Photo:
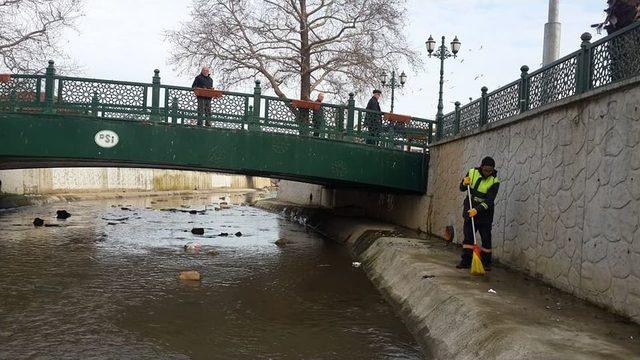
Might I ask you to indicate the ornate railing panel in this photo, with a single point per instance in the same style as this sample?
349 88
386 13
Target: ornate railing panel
554 82
113 99
21 90
448 124
616 58
504 102
470 116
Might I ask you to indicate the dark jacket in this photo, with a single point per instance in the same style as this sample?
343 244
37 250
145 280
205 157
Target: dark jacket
202 81
482 202
373 120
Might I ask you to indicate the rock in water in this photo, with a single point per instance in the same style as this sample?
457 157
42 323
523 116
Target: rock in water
62 214
190 275
197 231
238 234
38 222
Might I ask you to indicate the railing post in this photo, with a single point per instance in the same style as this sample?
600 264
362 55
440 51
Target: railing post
523 89
456 119
484 106
49 87
174 110
155 96
255 118
583 68
94 104
13 99
339 125
351 106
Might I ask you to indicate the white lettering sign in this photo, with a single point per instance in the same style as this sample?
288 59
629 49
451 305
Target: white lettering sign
106 138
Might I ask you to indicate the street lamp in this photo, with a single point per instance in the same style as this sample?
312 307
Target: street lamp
442 53
393 84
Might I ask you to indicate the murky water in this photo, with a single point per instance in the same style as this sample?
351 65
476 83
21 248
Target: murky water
104 284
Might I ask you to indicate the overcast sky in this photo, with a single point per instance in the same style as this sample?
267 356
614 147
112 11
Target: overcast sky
123 40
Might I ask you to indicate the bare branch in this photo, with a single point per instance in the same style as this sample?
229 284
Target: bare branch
30 31
334 45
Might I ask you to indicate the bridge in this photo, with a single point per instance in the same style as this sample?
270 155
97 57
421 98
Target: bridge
54 121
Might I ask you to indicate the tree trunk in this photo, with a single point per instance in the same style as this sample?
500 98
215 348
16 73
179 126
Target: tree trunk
305 53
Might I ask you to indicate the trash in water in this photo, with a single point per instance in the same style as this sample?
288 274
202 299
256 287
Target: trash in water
238 234
190 275
197 231
356 264
192 246
212 253
62 214
38 222
492 291
223 234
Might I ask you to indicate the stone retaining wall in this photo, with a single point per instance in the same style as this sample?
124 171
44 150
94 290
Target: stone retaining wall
56 180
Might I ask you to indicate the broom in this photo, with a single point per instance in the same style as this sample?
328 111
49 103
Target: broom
476 263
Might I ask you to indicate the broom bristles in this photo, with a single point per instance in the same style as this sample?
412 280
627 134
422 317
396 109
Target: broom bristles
476 263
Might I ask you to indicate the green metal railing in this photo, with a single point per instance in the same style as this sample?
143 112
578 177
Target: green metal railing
175 105
609 60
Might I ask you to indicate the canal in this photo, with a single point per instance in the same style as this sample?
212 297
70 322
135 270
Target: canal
104 284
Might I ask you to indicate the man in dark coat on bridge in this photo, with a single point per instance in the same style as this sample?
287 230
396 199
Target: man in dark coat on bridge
373 117
203 81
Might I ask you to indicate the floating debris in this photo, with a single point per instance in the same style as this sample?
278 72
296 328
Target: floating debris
192 246
62 214
38 222
356 264
238 234
197 231
190 275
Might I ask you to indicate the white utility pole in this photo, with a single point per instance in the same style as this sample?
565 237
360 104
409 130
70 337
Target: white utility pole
552 29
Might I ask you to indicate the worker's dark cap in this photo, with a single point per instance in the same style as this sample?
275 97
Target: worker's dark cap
488 161
376 91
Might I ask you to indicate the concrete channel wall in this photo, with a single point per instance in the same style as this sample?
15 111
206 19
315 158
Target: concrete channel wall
60 180
568 211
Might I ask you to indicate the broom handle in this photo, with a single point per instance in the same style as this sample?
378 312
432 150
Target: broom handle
473 224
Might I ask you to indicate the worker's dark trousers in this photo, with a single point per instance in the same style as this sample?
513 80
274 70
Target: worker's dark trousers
467 244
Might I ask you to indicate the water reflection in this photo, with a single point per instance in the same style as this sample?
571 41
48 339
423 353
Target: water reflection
104 284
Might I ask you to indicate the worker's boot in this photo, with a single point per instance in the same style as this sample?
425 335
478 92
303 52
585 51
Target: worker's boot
465 259
486 260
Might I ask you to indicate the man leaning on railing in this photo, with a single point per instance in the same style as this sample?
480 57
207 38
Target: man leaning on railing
203 81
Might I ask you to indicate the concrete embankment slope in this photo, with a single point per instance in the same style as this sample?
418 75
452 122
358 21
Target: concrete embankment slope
454 315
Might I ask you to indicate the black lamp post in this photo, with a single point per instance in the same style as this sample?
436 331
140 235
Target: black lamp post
441 53
393 84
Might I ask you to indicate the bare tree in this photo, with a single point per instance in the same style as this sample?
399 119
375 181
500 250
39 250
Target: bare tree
334 46
30 31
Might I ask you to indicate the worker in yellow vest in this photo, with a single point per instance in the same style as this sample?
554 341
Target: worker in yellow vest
484 185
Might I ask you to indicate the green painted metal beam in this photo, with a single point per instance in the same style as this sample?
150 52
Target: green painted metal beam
59 139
